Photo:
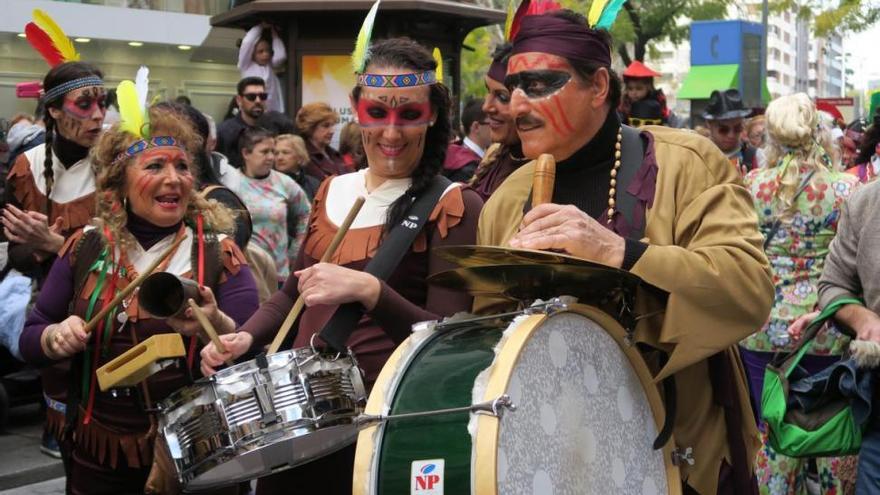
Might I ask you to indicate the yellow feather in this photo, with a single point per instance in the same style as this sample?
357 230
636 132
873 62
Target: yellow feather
508 23
59 39
596 11
438 57
131 114
362 44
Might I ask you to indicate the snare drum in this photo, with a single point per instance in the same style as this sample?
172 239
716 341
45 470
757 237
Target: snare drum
585 411
262 416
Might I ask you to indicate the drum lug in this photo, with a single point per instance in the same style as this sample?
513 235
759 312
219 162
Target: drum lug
683 456
263 391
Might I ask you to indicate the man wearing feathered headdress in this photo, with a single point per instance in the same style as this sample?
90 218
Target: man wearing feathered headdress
660 203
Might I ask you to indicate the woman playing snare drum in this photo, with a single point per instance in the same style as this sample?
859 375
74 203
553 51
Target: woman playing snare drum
405 132
146 201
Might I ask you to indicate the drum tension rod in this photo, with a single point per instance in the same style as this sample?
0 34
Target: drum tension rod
493 408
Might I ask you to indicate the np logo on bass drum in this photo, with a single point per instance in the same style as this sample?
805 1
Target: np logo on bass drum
427 477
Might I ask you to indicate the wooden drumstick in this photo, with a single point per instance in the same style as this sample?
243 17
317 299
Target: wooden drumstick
543 180
131 287
209 328
300 302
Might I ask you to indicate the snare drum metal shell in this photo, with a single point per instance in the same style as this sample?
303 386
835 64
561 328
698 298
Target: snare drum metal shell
244 422
555 442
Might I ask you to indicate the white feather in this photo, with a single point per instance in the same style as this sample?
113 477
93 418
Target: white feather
142 85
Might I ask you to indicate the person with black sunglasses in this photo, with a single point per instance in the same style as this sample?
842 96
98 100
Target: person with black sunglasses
251 100
725 117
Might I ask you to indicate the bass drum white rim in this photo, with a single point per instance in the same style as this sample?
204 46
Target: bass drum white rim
484 465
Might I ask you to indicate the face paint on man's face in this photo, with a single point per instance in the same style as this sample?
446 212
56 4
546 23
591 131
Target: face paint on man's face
393 113
537 83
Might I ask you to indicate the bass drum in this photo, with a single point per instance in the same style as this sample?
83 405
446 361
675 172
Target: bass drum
586 412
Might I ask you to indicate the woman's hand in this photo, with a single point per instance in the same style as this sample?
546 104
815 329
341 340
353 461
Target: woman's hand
796 329
63 340
325 283
32 228
187 324
236 344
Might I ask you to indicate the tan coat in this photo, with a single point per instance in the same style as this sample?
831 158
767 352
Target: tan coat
706 252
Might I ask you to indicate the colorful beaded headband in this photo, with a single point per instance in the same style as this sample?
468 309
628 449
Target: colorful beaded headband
145 144
397 80
64 88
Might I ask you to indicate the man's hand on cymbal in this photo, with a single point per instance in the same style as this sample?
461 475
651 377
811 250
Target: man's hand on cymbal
566 228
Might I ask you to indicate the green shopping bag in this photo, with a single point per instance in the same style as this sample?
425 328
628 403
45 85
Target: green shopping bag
829 431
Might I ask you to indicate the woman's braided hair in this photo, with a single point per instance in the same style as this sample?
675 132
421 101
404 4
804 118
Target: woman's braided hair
60 74
409 56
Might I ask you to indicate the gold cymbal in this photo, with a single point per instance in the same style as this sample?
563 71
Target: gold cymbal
522 282
470 256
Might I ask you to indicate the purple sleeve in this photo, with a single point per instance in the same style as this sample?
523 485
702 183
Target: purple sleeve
237 297
264 323
51 307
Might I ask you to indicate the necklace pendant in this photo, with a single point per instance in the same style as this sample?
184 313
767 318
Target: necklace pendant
122 317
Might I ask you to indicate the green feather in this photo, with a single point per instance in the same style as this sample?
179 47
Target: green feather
438 57
508 23
609 14
359 55
131 114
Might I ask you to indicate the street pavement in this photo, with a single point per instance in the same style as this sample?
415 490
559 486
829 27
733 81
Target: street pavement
21 462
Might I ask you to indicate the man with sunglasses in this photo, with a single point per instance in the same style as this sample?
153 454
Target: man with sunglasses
725 117
661 203
251 100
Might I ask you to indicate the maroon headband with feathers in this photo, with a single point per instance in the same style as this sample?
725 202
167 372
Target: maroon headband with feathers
557 36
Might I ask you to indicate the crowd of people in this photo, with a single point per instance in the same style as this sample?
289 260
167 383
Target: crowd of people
750 229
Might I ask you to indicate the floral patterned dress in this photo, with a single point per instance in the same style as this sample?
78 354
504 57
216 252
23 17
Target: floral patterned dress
797 255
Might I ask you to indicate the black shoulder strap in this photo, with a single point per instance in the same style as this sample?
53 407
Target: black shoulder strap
388 256
631 157
774 229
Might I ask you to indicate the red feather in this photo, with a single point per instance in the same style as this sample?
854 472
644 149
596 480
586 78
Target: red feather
527 7
542 7
43 44
517 19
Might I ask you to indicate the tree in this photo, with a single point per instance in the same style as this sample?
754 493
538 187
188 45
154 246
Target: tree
840 17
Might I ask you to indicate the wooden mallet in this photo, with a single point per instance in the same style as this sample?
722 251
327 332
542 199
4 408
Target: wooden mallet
300 302
543 180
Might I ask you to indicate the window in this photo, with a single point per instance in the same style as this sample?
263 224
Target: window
787 59
787 37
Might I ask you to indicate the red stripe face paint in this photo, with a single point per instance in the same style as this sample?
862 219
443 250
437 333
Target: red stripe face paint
81 115
159 185
554 110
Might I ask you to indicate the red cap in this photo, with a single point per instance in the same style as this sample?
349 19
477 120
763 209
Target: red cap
639 70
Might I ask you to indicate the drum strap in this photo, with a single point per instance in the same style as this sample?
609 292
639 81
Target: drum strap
392 250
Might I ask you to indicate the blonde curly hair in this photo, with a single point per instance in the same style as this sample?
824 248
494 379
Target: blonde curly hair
110 187
792 128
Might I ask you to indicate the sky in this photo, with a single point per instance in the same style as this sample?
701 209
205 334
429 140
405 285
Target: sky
865 64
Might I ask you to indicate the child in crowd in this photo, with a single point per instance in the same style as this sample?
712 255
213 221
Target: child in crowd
262 51
638 82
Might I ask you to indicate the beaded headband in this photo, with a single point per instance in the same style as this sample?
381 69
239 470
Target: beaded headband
397 80
144 144
64 88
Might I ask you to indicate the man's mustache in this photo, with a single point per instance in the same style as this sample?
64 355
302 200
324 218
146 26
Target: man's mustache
528 121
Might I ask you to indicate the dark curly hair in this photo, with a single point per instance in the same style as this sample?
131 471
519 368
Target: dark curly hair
869 141
58 75
406 54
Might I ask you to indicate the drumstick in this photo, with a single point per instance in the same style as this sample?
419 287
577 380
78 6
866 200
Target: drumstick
300 302
131 287
209 328
543 180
